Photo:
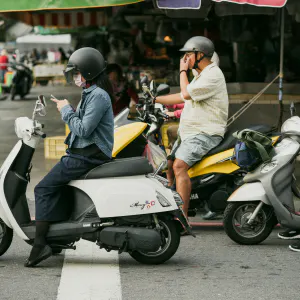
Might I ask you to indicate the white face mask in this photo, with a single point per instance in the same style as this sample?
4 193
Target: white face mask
78 80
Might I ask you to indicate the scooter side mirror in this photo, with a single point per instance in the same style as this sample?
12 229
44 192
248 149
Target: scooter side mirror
163 89
144 80
40 107
292 109
153 86
42 100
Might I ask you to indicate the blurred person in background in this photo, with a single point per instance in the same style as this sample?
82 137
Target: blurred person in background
124 93
3 65
63 56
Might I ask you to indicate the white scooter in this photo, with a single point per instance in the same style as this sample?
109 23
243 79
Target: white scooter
121 205
269 193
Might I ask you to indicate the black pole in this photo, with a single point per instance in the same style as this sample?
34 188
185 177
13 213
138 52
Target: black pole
280 95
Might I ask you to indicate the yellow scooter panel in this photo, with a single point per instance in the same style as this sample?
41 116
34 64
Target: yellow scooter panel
214 164
124 135
210 165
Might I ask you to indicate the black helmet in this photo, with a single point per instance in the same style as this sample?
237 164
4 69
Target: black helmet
199 44
88 61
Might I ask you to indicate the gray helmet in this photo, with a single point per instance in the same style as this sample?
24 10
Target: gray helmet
88 61
199 44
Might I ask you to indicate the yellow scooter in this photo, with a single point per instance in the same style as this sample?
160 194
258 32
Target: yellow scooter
214 178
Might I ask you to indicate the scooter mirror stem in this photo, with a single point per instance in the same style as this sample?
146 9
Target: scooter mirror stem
292 109
158 169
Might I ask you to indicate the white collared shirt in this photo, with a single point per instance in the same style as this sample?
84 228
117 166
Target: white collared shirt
207 111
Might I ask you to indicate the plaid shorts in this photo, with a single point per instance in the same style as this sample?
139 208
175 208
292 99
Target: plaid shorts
192 149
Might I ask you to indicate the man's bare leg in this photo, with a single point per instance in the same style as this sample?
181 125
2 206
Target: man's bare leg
170 173
183 183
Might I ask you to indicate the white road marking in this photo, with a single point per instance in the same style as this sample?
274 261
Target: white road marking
89 273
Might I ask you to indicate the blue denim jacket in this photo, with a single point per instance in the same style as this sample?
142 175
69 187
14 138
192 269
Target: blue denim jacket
92 122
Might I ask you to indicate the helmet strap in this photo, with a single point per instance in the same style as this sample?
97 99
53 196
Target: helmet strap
197 61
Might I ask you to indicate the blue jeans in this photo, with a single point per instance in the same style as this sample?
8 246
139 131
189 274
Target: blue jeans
48 191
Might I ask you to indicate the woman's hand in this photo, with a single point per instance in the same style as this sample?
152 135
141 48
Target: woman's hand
60 103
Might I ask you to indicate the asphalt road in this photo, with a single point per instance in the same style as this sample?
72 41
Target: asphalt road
209 267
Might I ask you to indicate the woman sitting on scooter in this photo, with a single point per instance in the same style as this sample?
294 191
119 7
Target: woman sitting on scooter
90 141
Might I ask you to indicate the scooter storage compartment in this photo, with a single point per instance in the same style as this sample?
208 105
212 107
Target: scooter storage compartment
142 239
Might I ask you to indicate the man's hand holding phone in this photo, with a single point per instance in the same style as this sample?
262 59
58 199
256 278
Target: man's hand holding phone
184 63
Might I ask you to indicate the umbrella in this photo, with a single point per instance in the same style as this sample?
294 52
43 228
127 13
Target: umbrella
196 4
268 3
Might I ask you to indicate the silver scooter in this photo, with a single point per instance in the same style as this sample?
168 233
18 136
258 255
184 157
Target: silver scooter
268 195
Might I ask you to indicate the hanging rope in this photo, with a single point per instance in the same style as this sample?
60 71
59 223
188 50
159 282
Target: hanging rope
249 103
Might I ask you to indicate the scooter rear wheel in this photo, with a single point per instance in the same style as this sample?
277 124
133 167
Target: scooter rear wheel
6 236
235 220
171 237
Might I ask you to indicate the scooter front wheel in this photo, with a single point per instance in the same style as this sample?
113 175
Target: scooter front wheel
236 216
6 236
170 243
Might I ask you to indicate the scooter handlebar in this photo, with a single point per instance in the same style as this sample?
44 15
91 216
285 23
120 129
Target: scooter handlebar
40 133
161 114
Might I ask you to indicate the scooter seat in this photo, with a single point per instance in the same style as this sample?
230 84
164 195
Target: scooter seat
120 168
229 141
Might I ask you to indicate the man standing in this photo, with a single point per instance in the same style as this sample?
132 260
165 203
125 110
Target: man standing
204 117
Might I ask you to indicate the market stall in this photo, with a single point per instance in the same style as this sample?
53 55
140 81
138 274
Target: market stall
51 68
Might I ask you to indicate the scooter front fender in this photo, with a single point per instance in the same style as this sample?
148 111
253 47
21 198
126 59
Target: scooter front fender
253 191
5 212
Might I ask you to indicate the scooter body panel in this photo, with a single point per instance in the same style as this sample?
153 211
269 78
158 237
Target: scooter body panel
275 179
214 164
125 134
250 192
126 196
5 211
217 163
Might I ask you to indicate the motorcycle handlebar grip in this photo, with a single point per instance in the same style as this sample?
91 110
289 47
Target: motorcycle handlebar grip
40 133
165 116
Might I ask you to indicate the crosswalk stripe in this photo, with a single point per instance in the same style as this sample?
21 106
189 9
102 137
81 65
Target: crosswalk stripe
89 273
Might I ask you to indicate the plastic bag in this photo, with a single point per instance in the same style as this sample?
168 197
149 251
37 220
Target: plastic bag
155 155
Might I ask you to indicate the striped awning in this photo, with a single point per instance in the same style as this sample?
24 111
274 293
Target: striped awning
69 19
37 5
60 14
62 19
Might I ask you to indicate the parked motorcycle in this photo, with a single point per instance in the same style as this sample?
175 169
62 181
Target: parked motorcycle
22 81
121 205
213 179
268 193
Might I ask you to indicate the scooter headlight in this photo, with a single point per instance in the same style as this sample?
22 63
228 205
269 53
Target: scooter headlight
162 200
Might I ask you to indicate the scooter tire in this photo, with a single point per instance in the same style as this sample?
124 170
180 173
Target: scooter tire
6 240
242 240
167 254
